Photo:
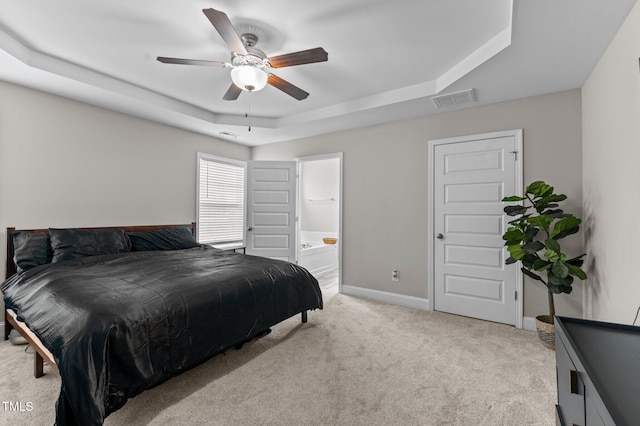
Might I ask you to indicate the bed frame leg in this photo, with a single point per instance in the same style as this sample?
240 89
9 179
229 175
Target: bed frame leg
304 316
7 326
38 365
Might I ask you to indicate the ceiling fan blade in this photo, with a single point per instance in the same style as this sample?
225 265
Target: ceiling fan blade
298 58
166 60
221 22
232 93
287 87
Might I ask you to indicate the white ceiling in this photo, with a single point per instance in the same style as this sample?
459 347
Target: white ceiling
386 59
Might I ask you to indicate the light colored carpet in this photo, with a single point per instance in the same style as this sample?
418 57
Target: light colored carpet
358 362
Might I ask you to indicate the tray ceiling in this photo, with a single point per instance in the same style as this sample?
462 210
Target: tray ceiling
386 59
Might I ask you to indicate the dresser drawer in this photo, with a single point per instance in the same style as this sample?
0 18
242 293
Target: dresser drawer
571 401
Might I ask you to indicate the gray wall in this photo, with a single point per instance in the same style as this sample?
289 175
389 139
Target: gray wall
611 143
385 214
64 164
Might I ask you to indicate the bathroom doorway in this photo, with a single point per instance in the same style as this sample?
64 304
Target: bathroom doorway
319 223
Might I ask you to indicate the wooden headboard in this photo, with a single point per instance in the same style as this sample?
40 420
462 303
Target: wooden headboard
11 267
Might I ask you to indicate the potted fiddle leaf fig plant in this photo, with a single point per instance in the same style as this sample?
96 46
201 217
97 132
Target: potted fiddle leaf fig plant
533 238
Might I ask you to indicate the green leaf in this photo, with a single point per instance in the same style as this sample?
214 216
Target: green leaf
516 252
553 198
531 274
552 245
541 265
556 213
577 261
560 270
553 256
531 233
557 289
513 198
514 234
515 210
533 247
554 288
577 271
533 185
562 281
528 260
542 206
566 226
542 222
538 188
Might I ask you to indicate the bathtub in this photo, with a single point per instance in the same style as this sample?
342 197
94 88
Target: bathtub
317 257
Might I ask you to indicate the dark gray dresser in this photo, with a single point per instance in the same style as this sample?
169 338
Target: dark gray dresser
598 371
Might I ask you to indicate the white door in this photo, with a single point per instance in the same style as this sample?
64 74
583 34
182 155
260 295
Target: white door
471 175
271 209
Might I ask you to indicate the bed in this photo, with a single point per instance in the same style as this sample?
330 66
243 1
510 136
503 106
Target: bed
118 310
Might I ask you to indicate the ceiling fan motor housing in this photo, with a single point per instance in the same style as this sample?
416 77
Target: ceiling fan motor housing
249 39
254 57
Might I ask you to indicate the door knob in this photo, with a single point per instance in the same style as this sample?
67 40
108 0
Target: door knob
249 228
440 237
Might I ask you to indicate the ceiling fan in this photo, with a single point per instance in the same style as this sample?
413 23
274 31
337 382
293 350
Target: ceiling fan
251 69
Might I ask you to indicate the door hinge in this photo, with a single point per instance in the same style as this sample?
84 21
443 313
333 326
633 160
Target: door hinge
515 155
516 295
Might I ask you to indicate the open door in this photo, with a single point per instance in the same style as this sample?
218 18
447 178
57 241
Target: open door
271 209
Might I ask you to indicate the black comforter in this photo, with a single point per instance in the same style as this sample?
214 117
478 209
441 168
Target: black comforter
119 324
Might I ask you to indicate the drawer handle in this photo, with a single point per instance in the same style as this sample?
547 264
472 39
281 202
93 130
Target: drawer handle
574 382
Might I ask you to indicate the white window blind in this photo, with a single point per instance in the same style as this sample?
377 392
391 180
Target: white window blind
221 200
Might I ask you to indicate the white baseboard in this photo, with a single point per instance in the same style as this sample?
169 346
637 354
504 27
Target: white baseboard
529 323
386 297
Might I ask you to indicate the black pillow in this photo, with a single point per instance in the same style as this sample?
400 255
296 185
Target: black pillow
31 249
75 243
162 239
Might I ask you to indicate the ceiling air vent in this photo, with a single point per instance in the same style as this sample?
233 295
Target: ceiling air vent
452 99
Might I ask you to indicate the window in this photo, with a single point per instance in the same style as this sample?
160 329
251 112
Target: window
221 200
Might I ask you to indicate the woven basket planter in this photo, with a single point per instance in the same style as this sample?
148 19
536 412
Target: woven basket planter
546 331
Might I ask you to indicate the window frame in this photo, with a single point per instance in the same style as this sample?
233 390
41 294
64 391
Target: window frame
232 162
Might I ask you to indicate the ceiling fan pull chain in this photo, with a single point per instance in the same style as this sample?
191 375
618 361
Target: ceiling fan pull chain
248 114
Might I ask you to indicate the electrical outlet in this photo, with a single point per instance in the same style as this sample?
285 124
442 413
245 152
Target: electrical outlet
394 275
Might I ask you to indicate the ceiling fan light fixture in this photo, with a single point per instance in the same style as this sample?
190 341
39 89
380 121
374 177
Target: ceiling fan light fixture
249 78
